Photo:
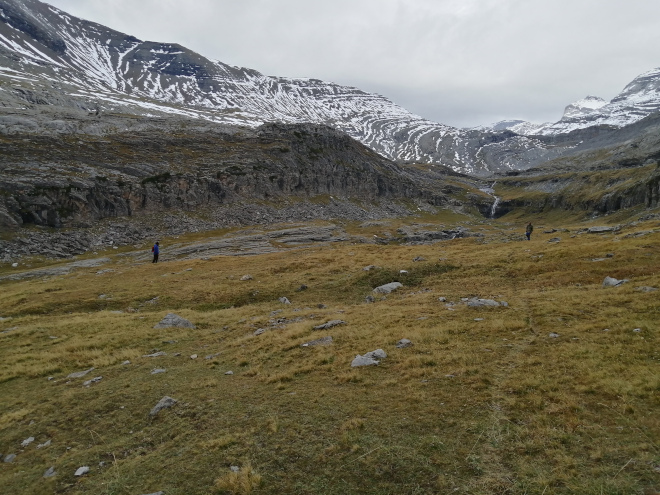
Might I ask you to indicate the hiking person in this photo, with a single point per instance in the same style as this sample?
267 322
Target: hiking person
529 230
155 250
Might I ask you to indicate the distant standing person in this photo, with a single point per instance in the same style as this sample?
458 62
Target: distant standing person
529 230
156 251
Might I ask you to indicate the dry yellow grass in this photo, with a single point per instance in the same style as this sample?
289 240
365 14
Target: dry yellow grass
476 407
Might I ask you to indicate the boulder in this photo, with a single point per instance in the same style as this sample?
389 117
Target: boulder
377 354
164 403
50 472
81 471
613 282
285 300
403 343
245 278
387 288
363 361
172 320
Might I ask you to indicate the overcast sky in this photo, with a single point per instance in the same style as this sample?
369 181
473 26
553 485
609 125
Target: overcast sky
459 62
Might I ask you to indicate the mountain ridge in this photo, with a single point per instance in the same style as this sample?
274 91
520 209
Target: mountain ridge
50 57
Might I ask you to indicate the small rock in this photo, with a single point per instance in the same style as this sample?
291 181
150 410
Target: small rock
284 300
229 373
245 278
370 299
93 380
613 282
419 258
387 288
158 371
50 472
403 343
259 331
637 330
80 374
321 306
646 289
442 299
609 255
555 239
172 320
27 442
164 403
155 354
606 329
194 356
403 272
478 319
234 469
301 288
369 268
126 363
81 471
14 265
553 335
330 324
318 342
44 445
9 458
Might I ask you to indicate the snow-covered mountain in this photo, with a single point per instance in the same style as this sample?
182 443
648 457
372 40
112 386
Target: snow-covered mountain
48 57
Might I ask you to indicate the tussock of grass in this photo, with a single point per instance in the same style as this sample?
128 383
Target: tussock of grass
240 483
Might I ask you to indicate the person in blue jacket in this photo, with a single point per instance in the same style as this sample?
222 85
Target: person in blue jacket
155 250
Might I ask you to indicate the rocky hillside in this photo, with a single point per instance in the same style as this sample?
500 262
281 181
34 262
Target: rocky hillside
612 170
74 180
51 59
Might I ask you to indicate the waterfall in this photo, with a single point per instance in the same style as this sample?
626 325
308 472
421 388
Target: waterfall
491 192
493 209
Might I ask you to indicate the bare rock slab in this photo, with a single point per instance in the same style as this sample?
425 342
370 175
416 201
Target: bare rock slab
164 403
172 320
330 324
318 342
80 374
50 472
387 288
476 303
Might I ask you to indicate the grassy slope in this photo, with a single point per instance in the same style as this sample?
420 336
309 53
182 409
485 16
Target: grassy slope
479 407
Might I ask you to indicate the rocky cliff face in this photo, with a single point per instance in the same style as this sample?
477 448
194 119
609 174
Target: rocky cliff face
74 180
